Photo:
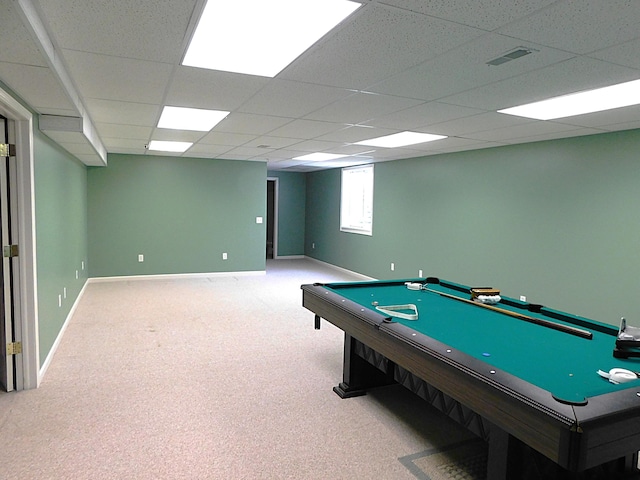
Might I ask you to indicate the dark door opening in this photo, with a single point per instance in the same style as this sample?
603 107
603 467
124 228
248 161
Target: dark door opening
271 202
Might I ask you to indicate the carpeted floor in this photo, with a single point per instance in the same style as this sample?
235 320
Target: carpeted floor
213 378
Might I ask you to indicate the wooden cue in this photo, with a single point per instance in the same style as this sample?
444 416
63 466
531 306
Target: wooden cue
539 321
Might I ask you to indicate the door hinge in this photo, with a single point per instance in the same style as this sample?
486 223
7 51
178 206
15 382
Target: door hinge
14 348
7 150
10 251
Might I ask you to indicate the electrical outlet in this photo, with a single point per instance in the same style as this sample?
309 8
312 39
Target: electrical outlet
258 219
76 274
523 298
224 256
59 300
83 265
313 245
393 266
141 258
64 292
420 273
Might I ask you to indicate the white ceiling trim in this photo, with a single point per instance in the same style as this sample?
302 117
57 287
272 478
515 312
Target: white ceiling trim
84 129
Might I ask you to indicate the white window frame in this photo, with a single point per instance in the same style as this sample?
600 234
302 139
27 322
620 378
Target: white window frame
356 199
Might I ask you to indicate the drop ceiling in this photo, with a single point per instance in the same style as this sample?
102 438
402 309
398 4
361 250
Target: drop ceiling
98 74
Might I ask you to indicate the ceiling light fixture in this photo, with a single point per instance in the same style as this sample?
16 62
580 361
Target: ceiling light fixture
320 157
401 139
256 37
165 146
607 98
197 119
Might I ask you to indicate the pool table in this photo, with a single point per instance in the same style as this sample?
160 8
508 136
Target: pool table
521 376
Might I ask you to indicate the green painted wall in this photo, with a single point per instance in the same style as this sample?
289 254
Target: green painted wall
557 221
180 213
291 212
61 235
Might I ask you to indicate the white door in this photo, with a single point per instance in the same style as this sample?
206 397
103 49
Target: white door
8 346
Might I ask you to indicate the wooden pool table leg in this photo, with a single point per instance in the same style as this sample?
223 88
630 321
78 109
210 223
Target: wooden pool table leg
503 451
358 375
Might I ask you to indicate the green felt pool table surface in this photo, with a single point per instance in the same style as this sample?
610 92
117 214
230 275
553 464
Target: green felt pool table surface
565 365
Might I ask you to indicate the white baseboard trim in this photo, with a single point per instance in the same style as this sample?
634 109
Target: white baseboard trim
175 276
289 257
335 267
54 347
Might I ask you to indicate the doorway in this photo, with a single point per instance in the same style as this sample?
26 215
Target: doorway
7 324
18 317
272 217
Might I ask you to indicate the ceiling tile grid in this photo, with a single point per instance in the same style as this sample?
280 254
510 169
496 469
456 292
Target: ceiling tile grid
393 65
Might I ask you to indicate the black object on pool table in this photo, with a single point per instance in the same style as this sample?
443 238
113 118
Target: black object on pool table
628 341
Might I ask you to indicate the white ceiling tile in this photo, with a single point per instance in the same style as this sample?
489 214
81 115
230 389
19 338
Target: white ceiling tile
477 123
455 144
466 144
250 123
246 152
604 119
310 146
147 30
39 84
302 129
123 113
270 142
115 78
465 68
362 107
370 47
355 134
292 99
420 116
622 126
534 129
208 150
124 145
485 14
580 26
23 49
200 88
578 132
223 138
626 54
114 130
176 135
576 74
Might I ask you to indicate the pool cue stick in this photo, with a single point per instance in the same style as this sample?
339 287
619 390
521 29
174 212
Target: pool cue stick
539 321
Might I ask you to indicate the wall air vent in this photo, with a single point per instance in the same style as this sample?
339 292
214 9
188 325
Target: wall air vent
511 55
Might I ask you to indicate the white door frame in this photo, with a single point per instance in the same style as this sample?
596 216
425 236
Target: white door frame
23 212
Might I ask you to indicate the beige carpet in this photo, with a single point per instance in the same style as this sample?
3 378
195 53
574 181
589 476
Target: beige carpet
464 461
209 378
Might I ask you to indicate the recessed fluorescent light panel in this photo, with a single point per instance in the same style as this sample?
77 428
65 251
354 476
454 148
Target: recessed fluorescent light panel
319 157
607 98
401 139
200 120
164 146
259 37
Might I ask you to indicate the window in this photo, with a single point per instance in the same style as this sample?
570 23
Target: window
356 203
